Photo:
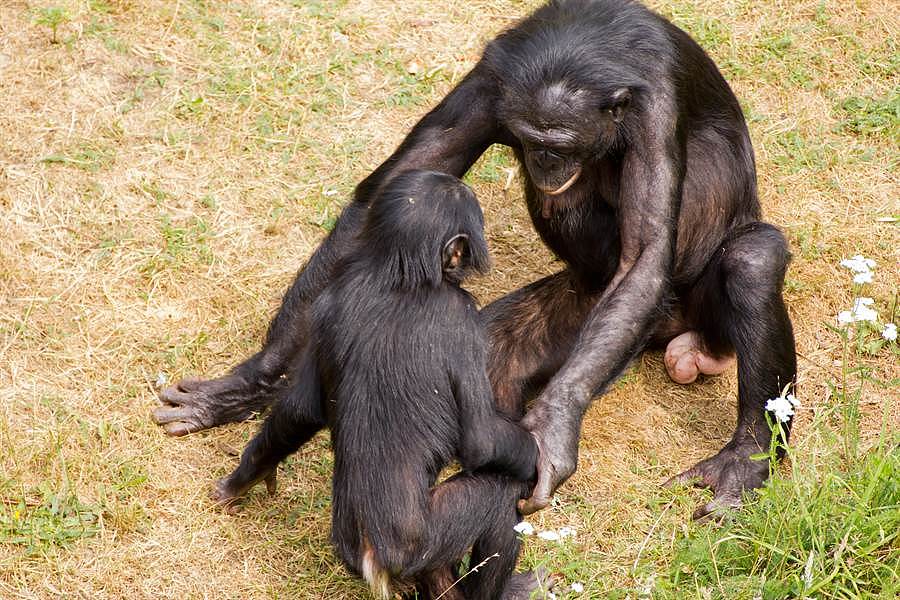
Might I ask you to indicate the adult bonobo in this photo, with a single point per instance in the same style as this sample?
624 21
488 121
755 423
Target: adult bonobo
640 176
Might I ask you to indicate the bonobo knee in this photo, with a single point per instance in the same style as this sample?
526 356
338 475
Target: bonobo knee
755 258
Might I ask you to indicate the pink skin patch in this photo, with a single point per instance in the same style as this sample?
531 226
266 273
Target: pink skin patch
685 360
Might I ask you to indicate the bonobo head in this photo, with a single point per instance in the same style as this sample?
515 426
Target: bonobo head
567 90
562 128
426 227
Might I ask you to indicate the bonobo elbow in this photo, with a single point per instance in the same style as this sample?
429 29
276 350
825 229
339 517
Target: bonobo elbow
477 451
514 454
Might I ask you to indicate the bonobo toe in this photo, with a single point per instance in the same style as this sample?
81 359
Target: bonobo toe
728 474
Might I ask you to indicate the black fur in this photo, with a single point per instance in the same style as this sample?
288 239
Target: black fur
399 372
657 220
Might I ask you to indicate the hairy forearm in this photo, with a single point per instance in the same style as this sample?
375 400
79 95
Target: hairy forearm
614 332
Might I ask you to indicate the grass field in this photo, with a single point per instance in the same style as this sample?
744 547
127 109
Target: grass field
167 165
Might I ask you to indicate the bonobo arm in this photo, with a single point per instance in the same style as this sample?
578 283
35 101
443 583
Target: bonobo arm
618 324
488 439
450 138
294 420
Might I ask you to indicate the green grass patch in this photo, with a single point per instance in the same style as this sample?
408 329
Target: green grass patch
795 152
871 116
88 156
52 17
182 243
45 517
492 166
828 533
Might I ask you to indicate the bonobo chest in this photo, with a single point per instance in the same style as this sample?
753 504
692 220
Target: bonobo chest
580 226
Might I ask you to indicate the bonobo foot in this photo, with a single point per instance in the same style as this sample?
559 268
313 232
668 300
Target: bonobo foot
228 491
530 584
686 359
728 474
195 404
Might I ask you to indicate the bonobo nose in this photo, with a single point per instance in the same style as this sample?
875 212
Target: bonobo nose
548 161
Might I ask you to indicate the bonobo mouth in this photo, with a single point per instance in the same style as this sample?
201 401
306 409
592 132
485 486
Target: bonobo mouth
571 181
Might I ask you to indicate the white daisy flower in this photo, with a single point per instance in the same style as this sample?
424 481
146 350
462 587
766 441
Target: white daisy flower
524 528
782 408
861 311
863 277
889 332
858 264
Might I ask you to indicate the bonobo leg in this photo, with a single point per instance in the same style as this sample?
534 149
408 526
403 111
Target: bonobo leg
294 419
469 510
738 305
194 404
531 332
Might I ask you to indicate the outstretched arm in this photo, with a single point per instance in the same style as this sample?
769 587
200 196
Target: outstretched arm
618 325
449 138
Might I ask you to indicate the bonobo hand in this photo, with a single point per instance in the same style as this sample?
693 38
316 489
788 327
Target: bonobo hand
196 404
555 422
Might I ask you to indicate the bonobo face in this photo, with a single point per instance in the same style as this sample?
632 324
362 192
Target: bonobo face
561 131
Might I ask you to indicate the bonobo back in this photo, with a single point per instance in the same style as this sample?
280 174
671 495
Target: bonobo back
389 332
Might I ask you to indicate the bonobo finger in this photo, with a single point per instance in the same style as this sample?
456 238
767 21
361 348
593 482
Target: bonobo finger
188 384
540 496
271 483
692 477
538 501
219 492
177 396
225 497
167 414
181 428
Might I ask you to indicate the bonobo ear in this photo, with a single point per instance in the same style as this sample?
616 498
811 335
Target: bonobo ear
455 251
619 102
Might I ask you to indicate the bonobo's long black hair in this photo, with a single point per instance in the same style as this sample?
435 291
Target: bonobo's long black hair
409 224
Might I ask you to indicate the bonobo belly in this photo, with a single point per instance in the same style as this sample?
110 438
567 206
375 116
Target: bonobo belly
583 232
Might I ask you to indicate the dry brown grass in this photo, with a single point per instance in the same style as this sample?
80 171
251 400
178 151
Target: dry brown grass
164 171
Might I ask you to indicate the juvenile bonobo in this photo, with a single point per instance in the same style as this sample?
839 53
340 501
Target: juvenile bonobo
398 371
639 175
